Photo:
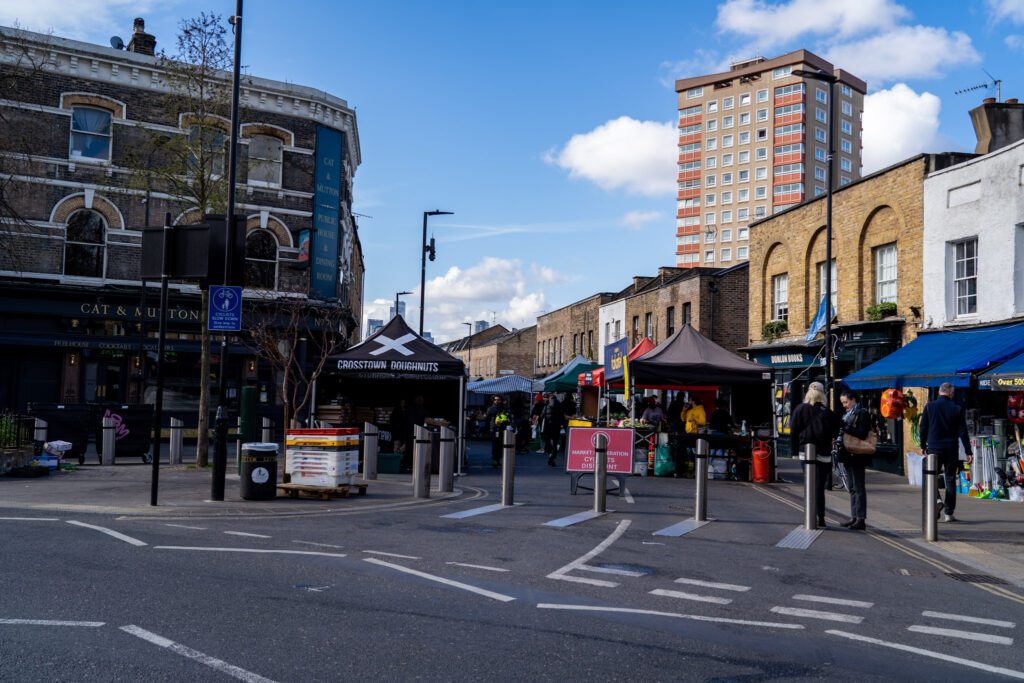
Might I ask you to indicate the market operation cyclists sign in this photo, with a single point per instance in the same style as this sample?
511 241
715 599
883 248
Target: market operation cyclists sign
582 443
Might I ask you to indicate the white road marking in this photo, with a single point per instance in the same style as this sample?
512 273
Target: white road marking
49 622
1012 673
319 545
440 579
691 596
384 554
186 526
195 655
478 566
29 519
560 574
834 601
970 620
713 584
243 533
611 570
247 550
675 615
816 614
627 496
651 543
965 635
109 532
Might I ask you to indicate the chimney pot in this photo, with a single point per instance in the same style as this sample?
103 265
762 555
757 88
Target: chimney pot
989 100
1011 100
141 42
139 26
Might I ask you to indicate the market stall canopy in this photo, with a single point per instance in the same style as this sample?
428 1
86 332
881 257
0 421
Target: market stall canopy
395 351
617 375
507 384
688 358
591 378
937 357
566 377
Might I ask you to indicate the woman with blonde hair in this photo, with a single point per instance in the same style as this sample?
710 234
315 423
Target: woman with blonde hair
813 423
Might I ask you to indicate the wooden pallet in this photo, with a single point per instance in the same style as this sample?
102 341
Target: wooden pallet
322 492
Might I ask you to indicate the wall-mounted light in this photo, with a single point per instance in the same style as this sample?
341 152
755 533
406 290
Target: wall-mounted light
251 365
136 362
74 322
72 359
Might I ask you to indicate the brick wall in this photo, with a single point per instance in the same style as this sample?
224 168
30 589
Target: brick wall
555 330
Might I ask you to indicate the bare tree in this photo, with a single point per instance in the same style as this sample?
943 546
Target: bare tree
296 336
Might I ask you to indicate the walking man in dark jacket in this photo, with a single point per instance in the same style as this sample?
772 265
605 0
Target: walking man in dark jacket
942 423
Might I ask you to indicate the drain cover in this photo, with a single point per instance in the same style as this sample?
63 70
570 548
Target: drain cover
977 578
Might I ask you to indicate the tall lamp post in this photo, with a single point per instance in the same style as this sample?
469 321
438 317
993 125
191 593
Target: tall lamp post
398 294
423 258
469 343
831 79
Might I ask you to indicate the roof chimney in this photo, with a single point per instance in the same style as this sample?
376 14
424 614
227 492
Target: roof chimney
142 42
997 124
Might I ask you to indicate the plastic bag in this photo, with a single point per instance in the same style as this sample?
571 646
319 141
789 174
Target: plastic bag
664 466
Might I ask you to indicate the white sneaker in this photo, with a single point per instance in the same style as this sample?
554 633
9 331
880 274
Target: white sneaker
948 518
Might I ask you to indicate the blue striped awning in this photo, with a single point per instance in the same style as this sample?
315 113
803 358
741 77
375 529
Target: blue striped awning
506 384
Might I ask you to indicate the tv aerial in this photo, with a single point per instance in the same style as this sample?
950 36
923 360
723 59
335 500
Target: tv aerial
994 82
116 42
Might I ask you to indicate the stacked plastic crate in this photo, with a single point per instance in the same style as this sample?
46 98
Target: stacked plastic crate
322 457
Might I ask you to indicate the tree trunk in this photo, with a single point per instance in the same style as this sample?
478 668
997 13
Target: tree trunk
203 431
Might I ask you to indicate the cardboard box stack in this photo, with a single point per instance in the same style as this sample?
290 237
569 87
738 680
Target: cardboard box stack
322 457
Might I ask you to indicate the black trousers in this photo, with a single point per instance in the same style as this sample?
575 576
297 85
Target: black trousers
497 445
551 444
858 493
949 463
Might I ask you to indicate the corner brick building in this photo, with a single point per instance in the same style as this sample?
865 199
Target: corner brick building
74 120
567 332
497 350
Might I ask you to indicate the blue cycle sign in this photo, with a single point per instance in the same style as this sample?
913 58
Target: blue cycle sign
225 314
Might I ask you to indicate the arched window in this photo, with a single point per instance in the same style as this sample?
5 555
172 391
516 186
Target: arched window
85 244
261 260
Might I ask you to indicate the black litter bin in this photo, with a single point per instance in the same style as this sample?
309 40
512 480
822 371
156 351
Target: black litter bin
259 471
133 429
66 422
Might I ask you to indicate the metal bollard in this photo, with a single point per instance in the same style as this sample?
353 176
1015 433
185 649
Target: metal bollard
421 462
107 456
238 448
810 481
176 440
445 468
508 468
41 429
268 430
930 489
700 474
371 442
600 472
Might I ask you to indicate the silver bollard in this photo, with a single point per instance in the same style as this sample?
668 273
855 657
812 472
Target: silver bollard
371 442
107 455
446 465
238 447
177 427
508 468
810 458
268 430
41 430
700 474
421 462
600 472
930 488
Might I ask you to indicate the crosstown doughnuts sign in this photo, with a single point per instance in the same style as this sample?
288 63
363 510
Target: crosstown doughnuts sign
581 449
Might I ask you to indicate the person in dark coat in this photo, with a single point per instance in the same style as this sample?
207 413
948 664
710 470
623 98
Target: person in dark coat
721 419
498 420
942 424
552 419
856 422
812 423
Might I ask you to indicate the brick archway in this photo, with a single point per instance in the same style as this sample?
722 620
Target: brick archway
63 209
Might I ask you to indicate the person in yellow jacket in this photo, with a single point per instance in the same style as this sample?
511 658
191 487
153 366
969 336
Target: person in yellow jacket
694 416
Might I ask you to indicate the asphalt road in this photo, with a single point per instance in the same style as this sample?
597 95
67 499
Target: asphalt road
406 594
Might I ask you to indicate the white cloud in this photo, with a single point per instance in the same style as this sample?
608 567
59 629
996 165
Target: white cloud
702 62
637 156
899 123
905 52
547 275
1006 9
770 24
1015 42
637 219
81 19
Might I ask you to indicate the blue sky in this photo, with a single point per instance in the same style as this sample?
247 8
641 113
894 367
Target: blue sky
547 127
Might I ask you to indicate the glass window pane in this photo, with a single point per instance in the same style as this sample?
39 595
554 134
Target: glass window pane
83 260
85 226
89 120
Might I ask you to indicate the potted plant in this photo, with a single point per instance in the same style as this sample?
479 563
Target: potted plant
886 309
773 329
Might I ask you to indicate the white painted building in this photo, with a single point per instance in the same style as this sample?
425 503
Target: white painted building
611 325
974 240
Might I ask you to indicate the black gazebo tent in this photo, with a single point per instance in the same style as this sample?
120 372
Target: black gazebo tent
688 358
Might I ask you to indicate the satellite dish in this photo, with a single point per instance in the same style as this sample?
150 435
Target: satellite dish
116 42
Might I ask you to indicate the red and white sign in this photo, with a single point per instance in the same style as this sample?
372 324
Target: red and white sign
581 449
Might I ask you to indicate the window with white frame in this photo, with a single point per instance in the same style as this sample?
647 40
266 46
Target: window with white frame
207 145
743 176
85 244
762 95
712 106
727 216
690 130
761 173
742 252
712 125
791 129
745 118
846 90
690 203
744 138
689 111
761 153
726 253
787 169
847 109
820 115
711 144
90 134
743 234
710 181
709 218
709 199
787 109
261 260
845 164
745 100
819 134
846 146
689 165
760 192
266 154
686 240
694 93
689 148
761 134
821 284
844 180
780 297
689 184
821 95
846 128
687 221
792 148
710 162
743 157
782 72
709 237
787 188
818 190
760 211
742 214
743 195
727 102
885 273
726 234
727 122
762 115
727 197
819 154
726 160
727 141
727 178
709 256
819 173
965 276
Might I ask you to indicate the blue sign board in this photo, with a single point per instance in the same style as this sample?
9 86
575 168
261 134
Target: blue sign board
614 359
326 211
225 314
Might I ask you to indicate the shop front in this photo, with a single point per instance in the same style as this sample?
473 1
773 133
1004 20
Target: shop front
793 367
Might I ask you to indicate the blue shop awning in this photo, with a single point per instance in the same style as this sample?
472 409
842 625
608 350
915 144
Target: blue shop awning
1008 376
937 357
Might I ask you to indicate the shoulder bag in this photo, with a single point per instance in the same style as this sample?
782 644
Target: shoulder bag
861 446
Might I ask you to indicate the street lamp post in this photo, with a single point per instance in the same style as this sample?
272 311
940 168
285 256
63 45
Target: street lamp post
423 259
469 346
398 294
831 79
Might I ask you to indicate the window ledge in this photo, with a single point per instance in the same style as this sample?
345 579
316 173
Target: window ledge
89 160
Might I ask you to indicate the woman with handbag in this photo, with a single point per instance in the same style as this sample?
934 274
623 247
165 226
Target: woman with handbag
813 423
857 445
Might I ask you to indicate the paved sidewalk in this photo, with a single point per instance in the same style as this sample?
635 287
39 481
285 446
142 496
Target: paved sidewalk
988 537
